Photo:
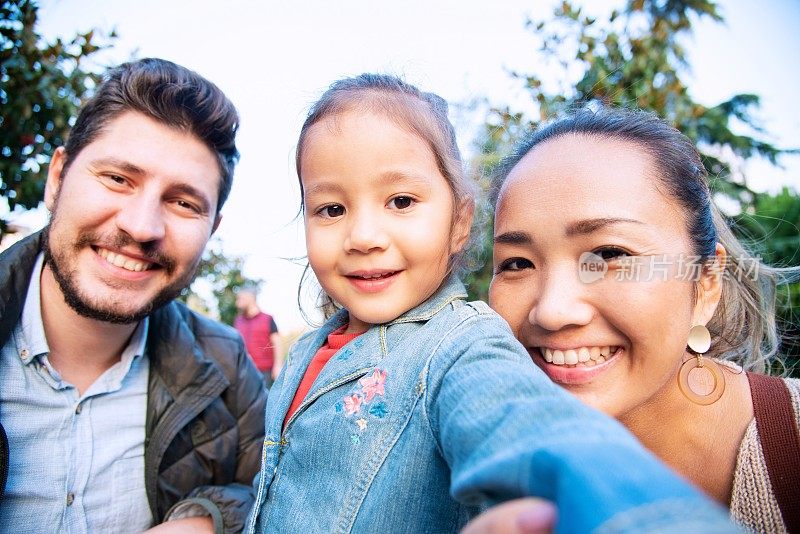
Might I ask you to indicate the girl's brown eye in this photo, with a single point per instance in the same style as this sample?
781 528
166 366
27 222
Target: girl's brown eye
401 202
332 211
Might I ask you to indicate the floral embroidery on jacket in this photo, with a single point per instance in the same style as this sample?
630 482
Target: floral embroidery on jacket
352 404
373 384
367 397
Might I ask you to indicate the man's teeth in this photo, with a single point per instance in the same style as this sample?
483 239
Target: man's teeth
587 356
129 264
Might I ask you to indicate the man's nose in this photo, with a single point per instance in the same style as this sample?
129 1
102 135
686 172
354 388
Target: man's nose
142 217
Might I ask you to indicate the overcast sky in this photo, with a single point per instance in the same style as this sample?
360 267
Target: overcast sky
274 58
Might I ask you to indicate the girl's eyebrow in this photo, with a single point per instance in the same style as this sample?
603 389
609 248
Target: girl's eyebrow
588 226
392 177
322 187
513 238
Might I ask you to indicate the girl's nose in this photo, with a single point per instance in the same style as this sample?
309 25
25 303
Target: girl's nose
366 234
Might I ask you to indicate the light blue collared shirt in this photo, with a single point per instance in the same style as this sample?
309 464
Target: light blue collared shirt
76 462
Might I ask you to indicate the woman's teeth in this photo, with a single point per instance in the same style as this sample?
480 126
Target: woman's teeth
586 356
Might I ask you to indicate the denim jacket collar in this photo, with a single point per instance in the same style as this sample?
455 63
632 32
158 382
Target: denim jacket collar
450 290
363 353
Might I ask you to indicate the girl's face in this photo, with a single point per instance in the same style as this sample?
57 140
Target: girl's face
592 271
378 216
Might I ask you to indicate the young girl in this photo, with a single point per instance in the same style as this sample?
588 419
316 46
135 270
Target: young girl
410 409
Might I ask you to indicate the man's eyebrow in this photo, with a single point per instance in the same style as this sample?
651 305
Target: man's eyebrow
513 238
588 226
120 164
199 196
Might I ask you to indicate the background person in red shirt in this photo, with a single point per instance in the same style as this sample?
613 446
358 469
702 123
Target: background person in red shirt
260 335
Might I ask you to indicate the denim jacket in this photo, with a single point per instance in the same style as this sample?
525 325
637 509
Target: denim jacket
419 424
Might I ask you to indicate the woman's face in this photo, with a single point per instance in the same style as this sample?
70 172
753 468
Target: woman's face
593 271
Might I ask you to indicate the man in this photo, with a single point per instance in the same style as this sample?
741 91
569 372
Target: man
260 335
120 408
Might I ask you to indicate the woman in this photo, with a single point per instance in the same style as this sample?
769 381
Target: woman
608 253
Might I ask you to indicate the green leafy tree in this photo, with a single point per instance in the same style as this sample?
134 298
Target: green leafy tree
224 275
42 86
632 58
771 228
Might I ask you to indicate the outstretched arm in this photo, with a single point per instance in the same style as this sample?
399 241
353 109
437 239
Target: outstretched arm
521 516
507 431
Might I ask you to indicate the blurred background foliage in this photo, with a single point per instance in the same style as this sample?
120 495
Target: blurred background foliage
635 58
222 276
42 86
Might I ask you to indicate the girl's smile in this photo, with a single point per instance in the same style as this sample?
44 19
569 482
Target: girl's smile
372 281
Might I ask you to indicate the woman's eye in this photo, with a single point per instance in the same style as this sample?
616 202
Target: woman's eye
611 253
331 211
514 264
401 202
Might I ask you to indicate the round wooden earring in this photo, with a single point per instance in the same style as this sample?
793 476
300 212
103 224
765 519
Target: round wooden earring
698 344
685 385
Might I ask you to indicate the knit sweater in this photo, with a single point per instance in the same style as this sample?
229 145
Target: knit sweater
753 503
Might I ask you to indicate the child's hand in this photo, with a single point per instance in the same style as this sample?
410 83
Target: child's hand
521 516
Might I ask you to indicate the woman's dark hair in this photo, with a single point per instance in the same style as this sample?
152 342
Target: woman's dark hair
743 326
170 94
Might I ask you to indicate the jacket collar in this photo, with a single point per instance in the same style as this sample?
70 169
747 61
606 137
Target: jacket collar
176 357
450 290
365 352
16 266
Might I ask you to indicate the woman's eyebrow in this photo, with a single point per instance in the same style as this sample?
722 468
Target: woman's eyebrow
513 238
588 226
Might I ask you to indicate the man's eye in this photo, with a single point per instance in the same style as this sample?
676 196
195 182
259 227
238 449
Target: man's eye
188 206
331 211
514 264
401 202
116 178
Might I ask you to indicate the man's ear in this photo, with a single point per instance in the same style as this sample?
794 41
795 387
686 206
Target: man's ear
709 287
54 176
217 220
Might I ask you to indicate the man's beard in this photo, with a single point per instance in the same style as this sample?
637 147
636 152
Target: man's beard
66 278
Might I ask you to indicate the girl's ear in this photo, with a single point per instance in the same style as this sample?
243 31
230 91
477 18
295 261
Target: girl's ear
54 172
461 228
709 287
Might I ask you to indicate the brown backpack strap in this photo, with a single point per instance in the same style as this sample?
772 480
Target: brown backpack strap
780 442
